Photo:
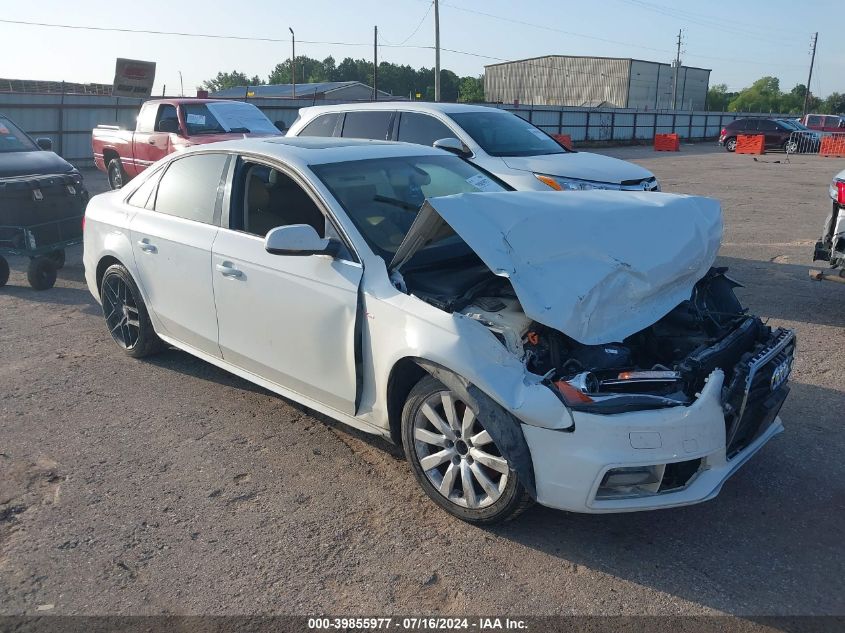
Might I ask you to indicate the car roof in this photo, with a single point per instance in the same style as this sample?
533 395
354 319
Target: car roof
315 150
405 106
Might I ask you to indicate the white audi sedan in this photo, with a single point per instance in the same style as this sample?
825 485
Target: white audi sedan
577 350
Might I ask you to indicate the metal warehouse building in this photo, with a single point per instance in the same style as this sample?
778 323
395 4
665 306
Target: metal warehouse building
595 81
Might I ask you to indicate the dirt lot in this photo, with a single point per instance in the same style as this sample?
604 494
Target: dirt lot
169 486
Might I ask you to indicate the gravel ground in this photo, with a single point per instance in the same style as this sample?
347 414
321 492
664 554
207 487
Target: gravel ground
169 486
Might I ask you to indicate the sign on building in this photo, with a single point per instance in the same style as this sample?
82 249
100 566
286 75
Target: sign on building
133 78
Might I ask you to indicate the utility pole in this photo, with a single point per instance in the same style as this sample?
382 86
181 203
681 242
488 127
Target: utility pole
810 77
182 85
375 63
436 51
677 72
293 61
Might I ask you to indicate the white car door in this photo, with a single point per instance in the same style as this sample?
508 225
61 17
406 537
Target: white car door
289 319
172 242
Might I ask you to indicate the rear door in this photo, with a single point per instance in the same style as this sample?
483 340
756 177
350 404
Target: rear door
372 124
172 240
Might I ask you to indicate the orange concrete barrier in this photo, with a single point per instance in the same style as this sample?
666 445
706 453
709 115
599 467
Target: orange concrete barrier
833 146
563 139
750 144
667 143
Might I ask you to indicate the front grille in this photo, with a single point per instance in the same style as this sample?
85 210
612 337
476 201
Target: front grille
755 395
648 184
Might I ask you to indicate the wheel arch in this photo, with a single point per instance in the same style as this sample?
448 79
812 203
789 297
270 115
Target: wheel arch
109 154
503 426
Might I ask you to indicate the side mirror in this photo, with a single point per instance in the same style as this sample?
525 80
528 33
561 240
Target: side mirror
298 239
454 146
280 125
45 143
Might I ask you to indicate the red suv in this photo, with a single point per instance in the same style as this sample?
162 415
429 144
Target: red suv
788 135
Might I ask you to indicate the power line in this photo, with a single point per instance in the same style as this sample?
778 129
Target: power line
416 29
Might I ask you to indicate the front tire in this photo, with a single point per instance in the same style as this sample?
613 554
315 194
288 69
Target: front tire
730 144
455 460
117 176
126 314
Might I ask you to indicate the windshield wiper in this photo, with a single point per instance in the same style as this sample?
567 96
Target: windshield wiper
241 130
396 203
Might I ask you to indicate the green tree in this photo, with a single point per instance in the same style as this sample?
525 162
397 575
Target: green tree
763 95
471 90
231 80
718 97
834 104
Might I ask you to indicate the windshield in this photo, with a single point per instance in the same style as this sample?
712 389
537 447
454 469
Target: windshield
12 139
501 133
382 196
792 125
224 117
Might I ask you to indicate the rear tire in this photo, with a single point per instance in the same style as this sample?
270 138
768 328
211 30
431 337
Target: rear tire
4 271
41 273
730 144
117 176
126 314
455 446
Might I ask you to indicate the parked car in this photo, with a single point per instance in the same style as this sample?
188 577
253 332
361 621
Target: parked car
595 364
500 143
824 122
783 134
169 125
831 246
42 201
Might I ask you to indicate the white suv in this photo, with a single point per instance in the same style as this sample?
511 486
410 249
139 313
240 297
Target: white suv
503 144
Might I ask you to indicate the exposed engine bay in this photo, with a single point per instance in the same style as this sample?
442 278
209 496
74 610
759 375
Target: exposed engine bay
666 364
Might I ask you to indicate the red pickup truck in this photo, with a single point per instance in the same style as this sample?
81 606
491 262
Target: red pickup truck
824 122
169 125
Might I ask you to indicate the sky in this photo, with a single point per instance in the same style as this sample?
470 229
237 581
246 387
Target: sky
740 40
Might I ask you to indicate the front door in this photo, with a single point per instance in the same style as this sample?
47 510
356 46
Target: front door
288 319
152 145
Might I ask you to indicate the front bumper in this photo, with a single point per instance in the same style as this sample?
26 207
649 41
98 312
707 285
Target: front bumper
691 449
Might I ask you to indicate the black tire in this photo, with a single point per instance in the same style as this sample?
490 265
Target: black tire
142 339
513 499
4 271
58 258
117 175
41 273
730 144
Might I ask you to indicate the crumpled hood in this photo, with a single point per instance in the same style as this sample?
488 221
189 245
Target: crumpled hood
34 163
598 266
581 165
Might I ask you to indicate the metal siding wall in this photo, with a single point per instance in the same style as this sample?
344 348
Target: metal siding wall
558 80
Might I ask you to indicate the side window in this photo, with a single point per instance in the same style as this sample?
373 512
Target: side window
323 125
146 118
421 129
141 196
189 187
764 125
167 119
269 199
814 121
372 125
749 125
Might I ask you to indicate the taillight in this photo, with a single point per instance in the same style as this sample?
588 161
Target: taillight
840 191
724 131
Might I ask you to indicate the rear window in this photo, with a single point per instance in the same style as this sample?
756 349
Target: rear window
372 125
12 138
323 125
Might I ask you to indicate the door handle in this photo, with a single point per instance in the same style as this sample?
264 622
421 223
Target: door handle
228 270
151 141
145 246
